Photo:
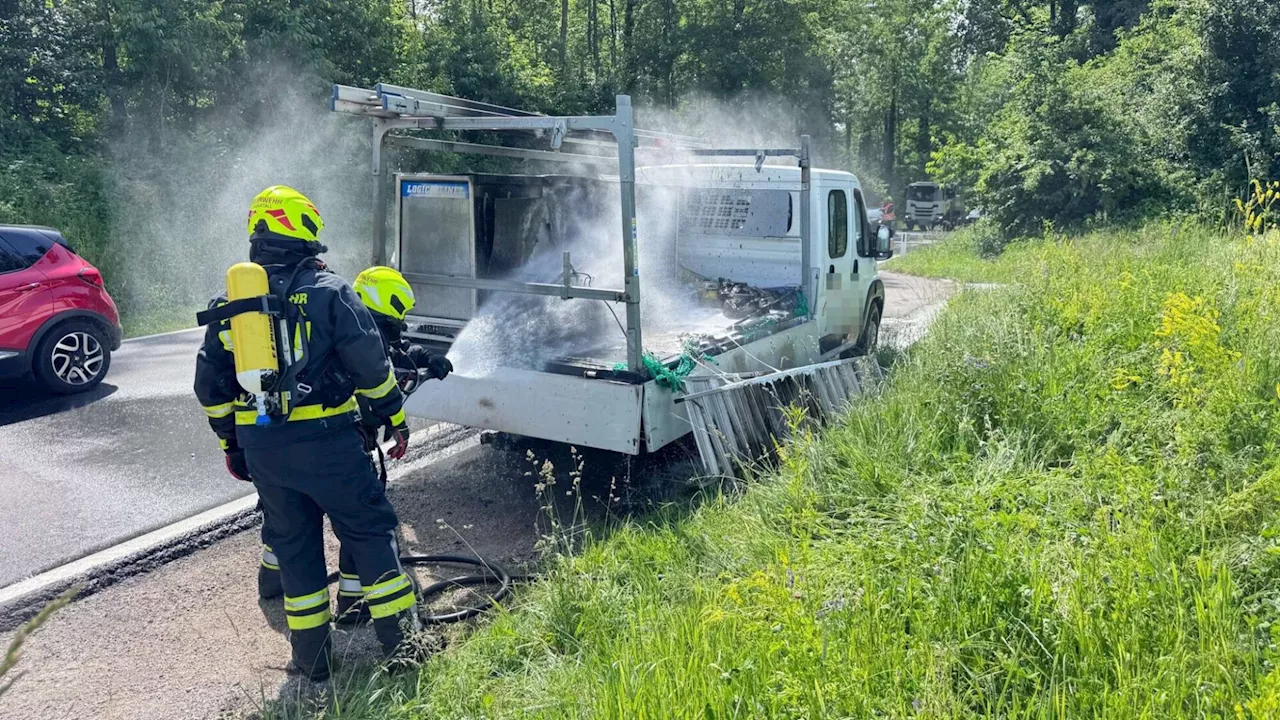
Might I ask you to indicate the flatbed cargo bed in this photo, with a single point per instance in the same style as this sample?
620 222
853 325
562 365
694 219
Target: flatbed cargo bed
666 340
533 282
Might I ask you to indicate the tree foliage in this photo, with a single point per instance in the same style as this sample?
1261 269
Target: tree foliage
1123 109
1055 111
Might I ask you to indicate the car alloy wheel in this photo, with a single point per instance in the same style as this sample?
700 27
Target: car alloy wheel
77 358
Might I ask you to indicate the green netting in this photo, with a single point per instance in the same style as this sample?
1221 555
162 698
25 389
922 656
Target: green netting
673 378
668 377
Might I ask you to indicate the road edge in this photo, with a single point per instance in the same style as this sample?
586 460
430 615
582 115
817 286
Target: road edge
152 336
99 571
149 551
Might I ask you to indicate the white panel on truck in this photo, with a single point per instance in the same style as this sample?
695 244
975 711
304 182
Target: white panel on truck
562 408
664 420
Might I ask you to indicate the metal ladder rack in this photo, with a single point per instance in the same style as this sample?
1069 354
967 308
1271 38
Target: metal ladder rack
738 420
609 140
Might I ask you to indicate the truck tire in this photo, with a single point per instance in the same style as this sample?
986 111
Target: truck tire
73 358
870 338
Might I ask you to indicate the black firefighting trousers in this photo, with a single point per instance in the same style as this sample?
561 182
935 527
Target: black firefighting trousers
301 482
350 592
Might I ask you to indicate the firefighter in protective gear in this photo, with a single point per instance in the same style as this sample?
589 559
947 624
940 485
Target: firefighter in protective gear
310 460
390 298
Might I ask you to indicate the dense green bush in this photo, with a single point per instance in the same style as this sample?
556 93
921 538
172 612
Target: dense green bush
64 191
1177 114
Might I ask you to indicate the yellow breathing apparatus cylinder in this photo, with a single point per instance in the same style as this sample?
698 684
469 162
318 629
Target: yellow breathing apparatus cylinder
252 339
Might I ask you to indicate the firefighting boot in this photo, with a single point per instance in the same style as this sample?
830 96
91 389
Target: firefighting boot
312 653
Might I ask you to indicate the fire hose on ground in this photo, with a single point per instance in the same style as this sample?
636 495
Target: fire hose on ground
409 382
496 573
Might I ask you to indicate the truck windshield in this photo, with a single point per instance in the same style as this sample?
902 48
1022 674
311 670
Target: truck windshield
922 193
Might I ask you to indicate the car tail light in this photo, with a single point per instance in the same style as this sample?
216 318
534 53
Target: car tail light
91 276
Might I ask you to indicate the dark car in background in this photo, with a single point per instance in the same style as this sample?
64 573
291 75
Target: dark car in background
57 322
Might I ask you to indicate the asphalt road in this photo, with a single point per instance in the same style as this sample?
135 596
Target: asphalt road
82 473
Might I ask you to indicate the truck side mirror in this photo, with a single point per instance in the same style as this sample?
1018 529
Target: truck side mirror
884 243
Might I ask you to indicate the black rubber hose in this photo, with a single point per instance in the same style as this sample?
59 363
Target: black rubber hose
496 572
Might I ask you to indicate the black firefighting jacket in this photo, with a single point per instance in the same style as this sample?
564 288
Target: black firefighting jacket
343 359
405 356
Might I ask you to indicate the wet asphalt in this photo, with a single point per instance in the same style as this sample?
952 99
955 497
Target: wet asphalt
79 474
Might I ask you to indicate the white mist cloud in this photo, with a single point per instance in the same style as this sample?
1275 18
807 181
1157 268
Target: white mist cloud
182 206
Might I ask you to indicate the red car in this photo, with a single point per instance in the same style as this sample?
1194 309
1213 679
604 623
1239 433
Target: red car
57 321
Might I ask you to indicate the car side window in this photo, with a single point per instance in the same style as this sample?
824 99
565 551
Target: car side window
30 247
837 224
59 239
9 260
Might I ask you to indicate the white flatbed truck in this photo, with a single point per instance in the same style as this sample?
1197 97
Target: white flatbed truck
794 238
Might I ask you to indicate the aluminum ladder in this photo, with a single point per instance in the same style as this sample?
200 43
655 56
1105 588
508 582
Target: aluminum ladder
739 419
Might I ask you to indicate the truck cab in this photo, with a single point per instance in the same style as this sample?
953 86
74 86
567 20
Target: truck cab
931 205
742 224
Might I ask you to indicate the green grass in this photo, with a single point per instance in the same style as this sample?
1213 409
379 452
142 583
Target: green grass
976 254
158 320
1064 505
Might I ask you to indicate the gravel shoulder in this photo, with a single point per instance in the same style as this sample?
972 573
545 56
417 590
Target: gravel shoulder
190 639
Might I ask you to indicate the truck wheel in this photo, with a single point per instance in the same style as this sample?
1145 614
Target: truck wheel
870 338
73 358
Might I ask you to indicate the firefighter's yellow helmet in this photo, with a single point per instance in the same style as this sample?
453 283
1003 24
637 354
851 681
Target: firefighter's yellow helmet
283 212
384 290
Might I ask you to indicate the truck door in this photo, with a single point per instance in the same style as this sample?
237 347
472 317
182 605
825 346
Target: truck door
435 229
838 306
865 269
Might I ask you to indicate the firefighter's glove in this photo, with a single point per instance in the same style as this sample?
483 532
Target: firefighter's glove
438 367
398 432
236 464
